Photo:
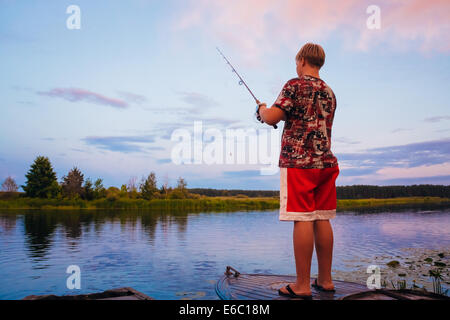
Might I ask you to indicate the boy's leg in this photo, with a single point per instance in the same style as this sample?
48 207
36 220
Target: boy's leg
303 249
325 198
323 239
303 237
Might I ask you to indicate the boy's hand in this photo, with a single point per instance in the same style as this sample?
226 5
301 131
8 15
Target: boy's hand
258 116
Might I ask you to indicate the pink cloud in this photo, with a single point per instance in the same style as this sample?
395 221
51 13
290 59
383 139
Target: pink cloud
256 26
76 95
441 169
423 25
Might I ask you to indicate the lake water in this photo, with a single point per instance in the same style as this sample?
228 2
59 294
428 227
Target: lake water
182 255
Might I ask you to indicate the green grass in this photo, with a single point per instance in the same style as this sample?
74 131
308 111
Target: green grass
219 204
373 202
203 203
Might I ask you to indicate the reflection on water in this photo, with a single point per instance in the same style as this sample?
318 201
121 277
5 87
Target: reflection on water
180 255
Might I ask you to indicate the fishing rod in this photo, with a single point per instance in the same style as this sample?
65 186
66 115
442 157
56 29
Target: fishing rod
242 82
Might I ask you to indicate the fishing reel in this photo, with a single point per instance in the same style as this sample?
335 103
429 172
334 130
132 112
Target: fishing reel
258 116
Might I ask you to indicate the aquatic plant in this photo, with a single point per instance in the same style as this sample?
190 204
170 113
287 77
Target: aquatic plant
393 264
436 276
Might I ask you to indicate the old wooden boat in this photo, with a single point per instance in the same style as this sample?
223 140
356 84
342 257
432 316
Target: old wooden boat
113 294
234 285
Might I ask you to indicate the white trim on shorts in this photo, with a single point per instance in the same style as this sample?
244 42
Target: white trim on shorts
298 216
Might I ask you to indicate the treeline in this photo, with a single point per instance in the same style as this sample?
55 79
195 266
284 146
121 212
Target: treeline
345 192
41 182
369 191
234 193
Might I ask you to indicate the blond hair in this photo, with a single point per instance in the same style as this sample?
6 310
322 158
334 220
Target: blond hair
313 54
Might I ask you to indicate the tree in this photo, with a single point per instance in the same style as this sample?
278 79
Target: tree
88 190
112 193
72 184
41 179
9 185
99 189
165 189
176 194
181 189
132 188
148 187
123 191
181 184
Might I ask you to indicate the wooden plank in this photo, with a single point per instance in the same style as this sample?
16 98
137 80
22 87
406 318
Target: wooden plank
248 285
263 287
244 292
254 290
263 282
254 285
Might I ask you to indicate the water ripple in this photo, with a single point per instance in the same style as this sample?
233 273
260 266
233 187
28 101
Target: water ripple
180 256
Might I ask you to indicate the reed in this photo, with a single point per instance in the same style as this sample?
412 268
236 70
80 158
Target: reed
202 203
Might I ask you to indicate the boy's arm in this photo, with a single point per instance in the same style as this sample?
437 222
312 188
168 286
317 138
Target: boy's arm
272 115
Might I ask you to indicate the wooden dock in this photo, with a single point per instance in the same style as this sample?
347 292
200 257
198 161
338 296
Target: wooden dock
234 285
242 286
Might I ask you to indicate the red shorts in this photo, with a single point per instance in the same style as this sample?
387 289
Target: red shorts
308 194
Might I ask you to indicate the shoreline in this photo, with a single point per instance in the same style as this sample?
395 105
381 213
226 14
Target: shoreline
411 268
205 203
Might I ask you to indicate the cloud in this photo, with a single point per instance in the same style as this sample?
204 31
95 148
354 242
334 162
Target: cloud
436 118
400 130
132 97
345 140
257 26
214 122
421 25
124 144
77 95
198 100
444 180
350 172
421 161
155 148
408 155
422 171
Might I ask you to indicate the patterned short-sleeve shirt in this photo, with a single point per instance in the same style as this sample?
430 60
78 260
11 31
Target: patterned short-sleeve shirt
309 105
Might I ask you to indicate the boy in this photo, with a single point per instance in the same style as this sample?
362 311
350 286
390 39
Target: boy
308 168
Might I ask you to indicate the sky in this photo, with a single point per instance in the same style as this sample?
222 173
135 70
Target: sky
119 96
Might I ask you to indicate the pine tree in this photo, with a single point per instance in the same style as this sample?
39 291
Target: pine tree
41 179
88 190
72 185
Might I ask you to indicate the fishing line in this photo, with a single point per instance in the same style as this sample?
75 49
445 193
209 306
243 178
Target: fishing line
241 81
